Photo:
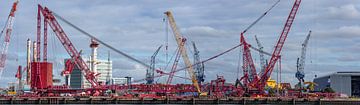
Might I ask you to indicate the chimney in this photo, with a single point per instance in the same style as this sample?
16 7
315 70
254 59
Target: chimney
28 60
93 45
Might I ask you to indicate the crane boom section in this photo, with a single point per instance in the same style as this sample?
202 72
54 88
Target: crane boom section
280 43
262 59
8 30
303 56
69 47
151 69
184 55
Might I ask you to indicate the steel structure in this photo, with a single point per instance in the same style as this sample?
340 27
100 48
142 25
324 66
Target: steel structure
199 68
262 58
8 29
50 20
301 63
69 67
176 62
248 63
184 55
150 71
260 84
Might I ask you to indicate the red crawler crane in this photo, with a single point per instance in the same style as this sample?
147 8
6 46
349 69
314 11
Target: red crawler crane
49 19
260 84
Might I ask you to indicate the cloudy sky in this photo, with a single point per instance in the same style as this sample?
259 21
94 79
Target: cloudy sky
137 28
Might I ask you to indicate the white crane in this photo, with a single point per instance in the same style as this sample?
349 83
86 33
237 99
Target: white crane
8 30
301 62
262 59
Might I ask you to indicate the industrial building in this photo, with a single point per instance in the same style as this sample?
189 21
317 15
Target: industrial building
119 81
102 67
77 79
342 82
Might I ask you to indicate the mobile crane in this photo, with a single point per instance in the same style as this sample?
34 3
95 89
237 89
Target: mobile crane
8 29
301 62
179 39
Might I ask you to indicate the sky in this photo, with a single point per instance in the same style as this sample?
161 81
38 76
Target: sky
137 28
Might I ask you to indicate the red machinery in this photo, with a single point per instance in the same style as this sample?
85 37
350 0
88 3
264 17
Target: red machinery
260 84
69 66
176 61
248 63
50 20
41 78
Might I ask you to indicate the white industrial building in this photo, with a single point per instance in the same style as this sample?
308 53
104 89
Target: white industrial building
103 67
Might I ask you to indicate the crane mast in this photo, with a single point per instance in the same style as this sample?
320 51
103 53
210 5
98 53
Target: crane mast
176 61
50 20
301 62
150 71
184 55
276 53
8 30
262 59
199 68
248 64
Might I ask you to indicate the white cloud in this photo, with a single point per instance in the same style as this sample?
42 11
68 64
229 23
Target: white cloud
344 12
204 31
343 32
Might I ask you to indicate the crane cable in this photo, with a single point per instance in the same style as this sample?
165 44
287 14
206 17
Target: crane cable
211 58
101 42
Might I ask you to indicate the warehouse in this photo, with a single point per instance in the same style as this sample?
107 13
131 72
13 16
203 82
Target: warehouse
342 82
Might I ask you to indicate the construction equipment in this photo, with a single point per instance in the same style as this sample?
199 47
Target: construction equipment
206 60
301 62
50 20
199 68
101 42
248 64
260 84
69 66
151 69
8 29
262 59
310 85
184 55
176 61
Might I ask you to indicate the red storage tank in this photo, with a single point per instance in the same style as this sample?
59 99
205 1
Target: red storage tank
41 75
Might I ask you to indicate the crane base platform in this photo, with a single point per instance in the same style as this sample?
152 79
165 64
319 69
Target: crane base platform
228 100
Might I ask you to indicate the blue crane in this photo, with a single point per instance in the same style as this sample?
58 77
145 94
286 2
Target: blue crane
151 69
199 67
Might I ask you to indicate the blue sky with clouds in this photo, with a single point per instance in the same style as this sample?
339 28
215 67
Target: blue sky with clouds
136 27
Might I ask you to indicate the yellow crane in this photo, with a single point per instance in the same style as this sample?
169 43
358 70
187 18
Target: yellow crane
179 39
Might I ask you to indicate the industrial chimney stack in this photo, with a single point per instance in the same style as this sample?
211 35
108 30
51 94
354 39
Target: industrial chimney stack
93 45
